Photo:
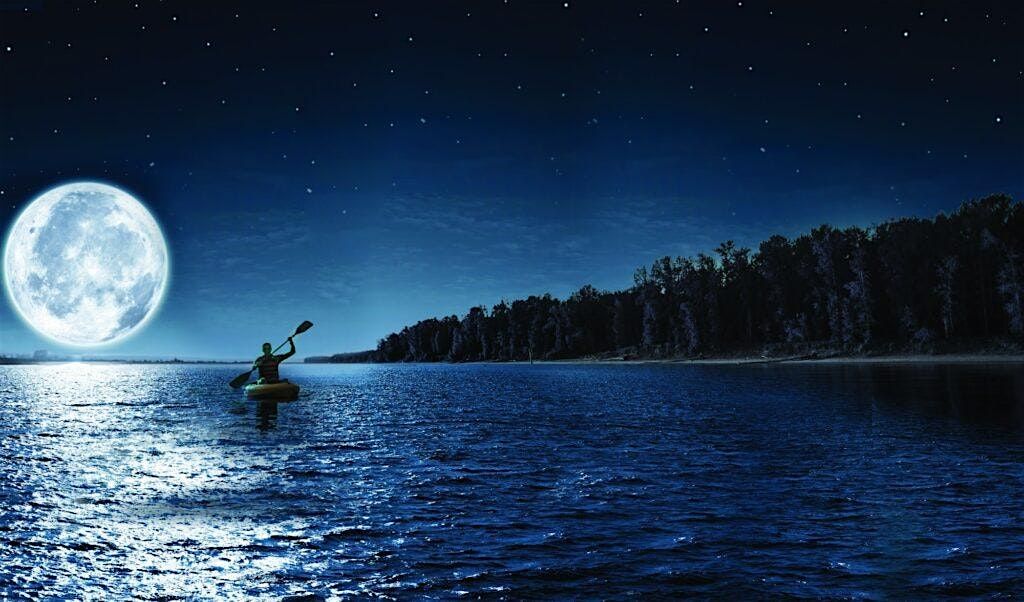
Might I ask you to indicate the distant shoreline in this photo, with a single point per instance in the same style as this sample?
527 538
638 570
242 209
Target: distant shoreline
13 361
957 358
951 358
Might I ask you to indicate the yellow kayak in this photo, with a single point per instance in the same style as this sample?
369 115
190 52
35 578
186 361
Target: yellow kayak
281 391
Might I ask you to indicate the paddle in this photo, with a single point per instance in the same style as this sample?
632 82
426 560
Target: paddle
239 380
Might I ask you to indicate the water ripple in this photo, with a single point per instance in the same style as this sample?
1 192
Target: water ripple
512 481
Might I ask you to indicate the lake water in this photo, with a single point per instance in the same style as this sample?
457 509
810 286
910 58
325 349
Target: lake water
513 481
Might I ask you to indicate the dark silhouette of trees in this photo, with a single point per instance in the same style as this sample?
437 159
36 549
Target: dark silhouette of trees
906 284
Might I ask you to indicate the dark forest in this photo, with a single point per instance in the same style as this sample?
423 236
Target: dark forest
952 283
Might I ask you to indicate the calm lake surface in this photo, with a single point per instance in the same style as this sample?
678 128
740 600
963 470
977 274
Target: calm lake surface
513 481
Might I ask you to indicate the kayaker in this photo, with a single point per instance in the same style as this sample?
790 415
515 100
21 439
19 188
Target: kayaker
268 362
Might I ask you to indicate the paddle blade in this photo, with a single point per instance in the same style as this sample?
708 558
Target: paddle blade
303 327
239 380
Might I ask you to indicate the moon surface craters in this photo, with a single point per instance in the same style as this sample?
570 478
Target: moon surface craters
86 264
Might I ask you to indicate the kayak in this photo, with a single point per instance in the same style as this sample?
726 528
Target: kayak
282 391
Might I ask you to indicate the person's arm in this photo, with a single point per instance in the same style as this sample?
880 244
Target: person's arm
290 353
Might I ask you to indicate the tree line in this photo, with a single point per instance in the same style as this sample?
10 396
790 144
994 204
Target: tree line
907 284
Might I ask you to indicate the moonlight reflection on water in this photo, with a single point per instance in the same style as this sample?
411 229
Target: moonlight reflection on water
116 479
511 480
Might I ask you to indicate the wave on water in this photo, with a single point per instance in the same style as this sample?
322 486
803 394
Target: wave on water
512 481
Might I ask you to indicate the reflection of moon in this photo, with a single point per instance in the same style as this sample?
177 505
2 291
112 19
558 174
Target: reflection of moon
85 264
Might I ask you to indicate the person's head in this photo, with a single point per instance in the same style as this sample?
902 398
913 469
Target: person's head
267 347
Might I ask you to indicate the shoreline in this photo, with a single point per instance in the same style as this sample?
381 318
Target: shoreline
910 358
917 359
5 361
953 358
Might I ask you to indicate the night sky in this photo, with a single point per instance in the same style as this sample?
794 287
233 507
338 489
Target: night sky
367 165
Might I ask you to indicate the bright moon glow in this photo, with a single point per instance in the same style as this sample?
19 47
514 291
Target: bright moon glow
85 264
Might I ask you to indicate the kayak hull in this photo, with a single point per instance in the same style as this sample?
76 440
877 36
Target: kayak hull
282 391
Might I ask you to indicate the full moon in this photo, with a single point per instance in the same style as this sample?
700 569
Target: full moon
85 264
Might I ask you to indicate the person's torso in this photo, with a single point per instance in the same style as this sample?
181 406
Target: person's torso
268 367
